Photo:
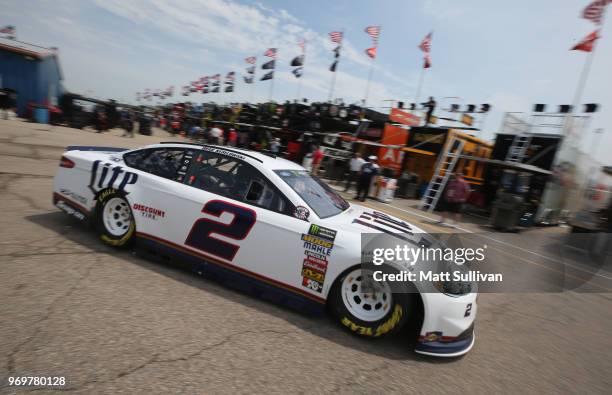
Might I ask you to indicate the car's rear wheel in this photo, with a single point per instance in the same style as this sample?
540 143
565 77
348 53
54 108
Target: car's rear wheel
115 222
371 310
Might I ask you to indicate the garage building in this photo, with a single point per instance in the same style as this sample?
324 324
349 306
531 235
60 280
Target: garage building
33 72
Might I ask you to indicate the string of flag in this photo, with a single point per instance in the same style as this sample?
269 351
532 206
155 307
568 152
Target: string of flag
212 84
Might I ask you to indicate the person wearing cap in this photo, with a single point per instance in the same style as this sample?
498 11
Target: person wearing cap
369 170
275 145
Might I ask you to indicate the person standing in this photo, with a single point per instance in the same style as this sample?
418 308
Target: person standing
216 134
232 137
369 170
431 107
317 158
354 168
455 195
275 146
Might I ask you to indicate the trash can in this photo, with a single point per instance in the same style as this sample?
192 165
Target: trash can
506 212
41 114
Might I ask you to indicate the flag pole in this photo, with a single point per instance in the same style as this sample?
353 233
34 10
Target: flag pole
273 70
419 86
299 88
367 92
333 82
252 81
566 197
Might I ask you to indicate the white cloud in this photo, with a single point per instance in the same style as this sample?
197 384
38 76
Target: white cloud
230 30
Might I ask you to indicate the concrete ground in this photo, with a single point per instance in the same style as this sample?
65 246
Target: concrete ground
119 322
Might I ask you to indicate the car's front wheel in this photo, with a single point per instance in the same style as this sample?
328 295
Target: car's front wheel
115 222
370 310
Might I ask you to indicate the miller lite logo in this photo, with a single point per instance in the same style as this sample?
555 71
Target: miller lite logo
108 175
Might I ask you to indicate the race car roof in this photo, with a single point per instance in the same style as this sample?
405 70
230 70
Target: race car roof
255 158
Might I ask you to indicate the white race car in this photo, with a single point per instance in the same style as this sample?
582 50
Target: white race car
259 223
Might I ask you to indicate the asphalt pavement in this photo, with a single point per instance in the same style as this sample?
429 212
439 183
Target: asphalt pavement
113 321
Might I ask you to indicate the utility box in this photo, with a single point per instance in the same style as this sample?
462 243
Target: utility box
506 212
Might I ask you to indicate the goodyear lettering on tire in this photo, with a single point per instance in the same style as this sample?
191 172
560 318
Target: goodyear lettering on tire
381 329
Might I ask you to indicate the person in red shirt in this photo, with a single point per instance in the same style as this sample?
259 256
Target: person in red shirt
317 158
455 195
232 137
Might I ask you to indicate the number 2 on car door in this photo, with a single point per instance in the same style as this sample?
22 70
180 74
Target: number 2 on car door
202 231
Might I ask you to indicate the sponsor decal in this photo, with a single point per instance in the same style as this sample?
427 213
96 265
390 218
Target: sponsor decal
313 274
317 240
70 210
182 171
73 195
319 249
302 213
315 263
108 175
314 268
312 284
432 336
320 231
149 212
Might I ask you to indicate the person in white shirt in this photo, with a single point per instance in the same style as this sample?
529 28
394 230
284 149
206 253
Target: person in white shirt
215 134
354 168
275 145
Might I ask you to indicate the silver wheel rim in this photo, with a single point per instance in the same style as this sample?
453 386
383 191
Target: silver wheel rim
366 304
117 217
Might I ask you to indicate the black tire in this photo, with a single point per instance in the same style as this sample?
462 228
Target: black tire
393 321
118 229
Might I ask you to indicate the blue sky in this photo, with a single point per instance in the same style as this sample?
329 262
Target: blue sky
509 54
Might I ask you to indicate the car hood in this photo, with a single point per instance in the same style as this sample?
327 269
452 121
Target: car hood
359 219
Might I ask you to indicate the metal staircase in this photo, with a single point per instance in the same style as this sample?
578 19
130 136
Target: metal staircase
444 168
518 149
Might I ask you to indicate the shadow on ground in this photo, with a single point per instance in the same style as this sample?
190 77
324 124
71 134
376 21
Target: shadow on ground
396 347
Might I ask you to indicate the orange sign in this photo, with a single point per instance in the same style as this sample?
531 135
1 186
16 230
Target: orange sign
404 117
393 157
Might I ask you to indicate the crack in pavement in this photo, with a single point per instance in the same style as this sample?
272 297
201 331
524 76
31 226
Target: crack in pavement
155 358
7 173
351 380
50 310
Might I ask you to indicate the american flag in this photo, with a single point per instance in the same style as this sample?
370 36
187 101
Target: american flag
336 37
426 61
230 77
425 45
587 43
302 44
7 30
374 32
594 11
371 52
271 53
251 60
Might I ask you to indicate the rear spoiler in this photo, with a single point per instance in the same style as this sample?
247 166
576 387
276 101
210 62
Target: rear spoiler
92 148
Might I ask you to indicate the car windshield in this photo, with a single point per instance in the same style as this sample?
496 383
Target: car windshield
323 200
